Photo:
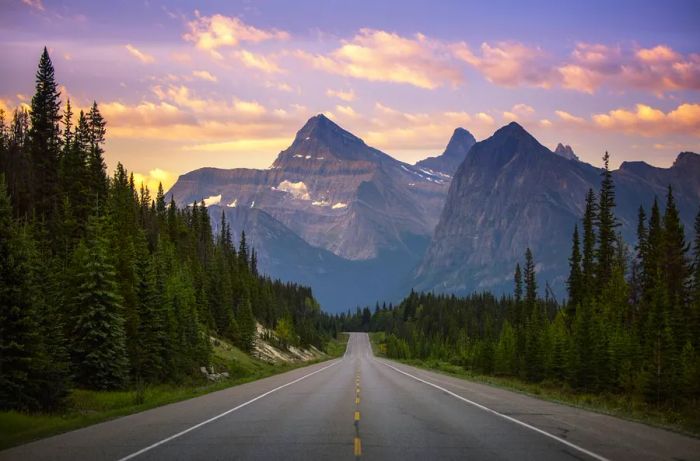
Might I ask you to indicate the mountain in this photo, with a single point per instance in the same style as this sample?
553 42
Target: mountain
327 202
454 154
565 151
511 193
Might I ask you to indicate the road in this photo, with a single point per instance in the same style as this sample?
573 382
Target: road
360 406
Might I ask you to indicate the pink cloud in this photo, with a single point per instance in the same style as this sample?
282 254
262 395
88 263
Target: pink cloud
377 55
509 63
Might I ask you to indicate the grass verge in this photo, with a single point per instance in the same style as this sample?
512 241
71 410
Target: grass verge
685 420
85 407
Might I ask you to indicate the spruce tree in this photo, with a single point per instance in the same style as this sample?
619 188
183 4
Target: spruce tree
530 281
607 223
18 330
99 348
676 270
246 325
588 266
44 134
695 319
518 280
575 282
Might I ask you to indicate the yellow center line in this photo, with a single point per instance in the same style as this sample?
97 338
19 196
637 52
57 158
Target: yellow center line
358 447
357 400
357 416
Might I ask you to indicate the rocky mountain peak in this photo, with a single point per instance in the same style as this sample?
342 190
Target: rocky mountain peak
565 151
454 154
687 159
460 143
321 139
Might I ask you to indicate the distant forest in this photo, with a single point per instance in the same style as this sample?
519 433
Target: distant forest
631 325
103 285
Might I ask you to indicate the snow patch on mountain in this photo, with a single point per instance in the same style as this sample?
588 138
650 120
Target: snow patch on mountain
298 190
212 200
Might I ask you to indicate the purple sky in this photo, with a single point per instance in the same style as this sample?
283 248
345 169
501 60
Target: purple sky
227 84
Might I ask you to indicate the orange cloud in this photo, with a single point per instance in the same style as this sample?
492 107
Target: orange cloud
381 56
140 55
257 61
519 112
153 178
209 33
567 117
340 94
645 120
204 75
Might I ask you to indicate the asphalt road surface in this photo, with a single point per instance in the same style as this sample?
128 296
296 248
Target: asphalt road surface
363 407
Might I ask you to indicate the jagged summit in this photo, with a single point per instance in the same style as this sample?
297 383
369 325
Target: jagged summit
321 127
565 151
321 139
460 143
454 154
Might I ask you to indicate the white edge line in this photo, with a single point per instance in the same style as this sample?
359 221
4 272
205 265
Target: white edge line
197 426
509 418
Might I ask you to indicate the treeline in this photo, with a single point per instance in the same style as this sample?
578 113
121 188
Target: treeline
631 324
102 285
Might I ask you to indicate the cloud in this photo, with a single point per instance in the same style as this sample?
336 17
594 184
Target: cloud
153 178
420 133
209 33
257 61
519 112
589 67
204 75
347 96
509 63
381 56
569 118
37 5
659 69
647 121
140 55
281 86
346 110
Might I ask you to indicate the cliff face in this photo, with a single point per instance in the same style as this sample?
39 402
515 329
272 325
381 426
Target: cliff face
511 193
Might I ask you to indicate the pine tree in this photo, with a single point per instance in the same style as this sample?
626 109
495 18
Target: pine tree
677 273
518 279
99 346
44 137
243 251
530 281
149 361
588 266
97 176
575 282
246 325
607 236
695 319
18 331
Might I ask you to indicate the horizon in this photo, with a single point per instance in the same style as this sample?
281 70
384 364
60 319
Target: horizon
228 86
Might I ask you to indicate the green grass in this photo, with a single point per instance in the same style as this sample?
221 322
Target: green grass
86 407
336 347
685 420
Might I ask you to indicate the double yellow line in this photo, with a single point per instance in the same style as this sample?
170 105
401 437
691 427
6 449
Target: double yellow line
358 443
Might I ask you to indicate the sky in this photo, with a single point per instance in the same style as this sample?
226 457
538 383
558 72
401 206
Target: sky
187 84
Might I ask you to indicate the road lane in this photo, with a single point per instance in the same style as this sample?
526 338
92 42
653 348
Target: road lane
364 407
